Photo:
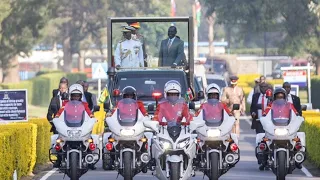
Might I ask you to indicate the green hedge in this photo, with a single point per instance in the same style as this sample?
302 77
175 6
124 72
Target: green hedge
40 88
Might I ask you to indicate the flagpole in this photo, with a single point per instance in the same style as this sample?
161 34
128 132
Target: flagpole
195 29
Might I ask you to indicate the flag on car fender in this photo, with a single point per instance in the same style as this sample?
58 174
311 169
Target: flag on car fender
104 96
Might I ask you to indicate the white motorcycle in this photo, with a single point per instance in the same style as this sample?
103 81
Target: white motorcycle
281 147
218 147
75 146
173 148
126 146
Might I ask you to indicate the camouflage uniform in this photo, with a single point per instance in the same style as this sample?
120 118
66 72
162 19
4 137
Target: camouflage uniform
231 96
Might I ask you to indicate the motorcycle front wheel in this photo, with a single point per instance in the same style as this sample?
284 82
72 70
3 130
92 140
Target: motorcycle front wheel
74 161
174 170
214 162
127 166
281 162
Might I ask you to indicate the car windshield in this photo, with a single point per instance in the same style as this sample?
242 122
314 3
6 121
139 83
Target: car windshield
127 111
147 83
74 113
221 83
281 111
213 113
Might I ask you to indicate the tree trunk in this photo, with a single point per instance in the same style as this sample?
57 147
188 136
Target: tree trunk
67 55
317 63
81 62
211 21
11 75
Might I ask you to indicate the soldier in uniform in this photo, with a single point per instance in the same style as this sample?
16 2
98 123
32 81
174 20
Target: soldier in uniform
137 36
235 95
129 52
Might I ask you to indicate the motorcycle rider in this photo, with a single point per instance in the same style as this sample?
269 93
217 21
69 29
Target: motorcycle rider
213 94
130 92
172 102
76 92
280 93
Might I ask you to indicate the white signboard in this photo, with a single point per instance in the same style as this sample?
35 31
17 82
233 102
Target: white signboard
295 77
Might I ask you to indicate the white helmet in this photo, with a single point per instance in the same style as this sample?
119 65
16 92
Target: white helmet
76 89
172 86
212 88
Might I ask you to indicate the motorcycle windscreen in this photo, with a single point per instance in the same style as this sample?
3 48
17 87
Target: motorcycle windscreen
173 115
74 113
213 113
127 112
281 112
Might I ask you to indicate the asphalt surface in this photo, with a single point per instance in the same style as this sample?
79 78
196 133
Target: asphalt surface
246 169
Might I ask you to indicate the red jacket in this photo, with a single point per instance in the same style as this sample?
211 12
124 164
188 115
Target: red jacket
172 111
224 106
86 106
140 106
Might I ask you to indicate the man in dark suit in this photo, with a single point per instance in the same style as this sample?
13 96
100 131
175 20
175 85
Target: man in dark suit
295 100
55 92
258 105
171 50
88 95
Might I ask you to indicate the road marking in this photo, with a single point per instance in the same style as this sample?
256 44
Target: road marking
306 172
49 174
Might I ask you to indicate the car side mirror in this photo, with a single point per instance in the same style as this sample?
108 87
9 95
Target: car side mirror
96 108
106 106
54 107
200 95
236 107
304 107
192 106
150 108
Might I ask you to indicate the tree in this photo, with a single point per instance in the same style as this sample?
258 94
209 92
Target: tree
20 25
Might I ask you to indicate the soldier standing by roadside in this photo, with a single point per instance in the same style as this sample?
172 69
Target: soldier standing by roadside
235 95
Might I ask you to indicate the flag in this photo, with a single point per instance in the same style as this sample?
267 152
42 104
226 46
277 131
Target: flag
104 96
198 13
189 95
173 8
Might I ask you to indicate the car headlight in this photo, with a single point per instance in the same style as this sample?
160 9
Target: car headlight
213 132
281 132
165 144
74 133
183 143
127 132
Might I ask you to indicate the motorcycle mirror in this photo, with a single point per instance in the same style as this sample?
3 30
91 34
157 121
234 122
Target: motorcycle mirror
236 107
150 108
304 107
200 95
96 108
106 106
192 106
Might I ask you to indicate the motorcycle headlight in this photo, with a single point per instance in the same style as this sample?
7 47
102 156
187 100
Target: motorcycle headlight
127 132
74 133
183 143
213 132
165 144
281 132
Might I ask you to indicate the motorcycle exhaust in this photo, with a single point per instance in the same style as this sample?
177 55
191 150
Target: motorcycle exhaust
89 158
230 158
299 157
145 158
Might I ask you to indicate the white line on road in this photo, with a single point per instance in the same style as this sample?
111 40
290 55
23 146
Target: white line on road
306 172
49 174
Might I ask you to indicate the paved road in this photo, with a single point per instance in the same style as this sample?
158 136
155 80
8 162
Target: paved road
246 169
